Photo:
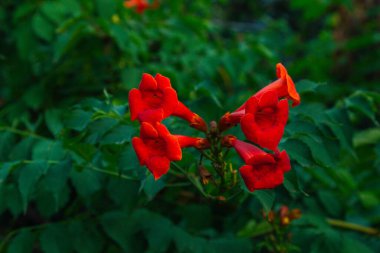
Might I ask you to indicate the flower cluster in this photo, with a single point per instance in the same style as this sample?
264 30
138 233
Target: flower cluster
262 119
284 216
153 101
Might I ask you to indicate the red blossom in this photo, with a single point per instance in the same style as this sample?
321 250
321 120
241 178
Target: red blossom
196 142
194 119
284 86
154 100
140 5
262 170
264 120
230 119
156 147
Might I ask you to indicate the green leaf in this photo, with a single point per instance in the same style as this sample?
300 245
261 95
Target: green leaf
120 34
53 121
151 187
318 150
53 239
266 198
369 199
48 150
252 229
328 241
77 119
305 86
86 182
350 245
330 202
106 8
117 227
29 175
42 27
23 149
362 103
85 237
55 179
367 137
10 199
228 245
22 242
98 128
119 135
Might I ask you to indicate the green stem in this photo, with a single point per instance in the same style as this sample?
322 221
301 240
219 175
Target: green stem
354 227
111 173
23 133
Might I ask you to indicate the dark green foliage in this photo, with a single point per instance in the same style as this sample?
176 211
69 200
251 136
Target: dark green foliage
70 180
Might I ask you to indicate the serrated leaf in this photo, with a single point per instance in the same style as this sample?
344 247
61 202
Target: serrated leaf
77 119
29 175
86 182
55 179
48 150
98 128
317 149
118 135
53 121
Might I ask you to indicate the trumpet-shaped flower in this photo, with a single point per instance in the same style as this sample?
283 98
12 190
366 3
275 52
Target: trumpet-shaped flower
262 170
194 119
154 100
264 120
156 147
196 142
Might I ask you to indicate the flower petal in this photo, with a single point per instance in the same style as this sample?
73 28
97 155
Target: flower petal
283 162
261 176
162 82
158 165
248 177
147 130
170 101
151 115
136 104
141 151
268 99
250 153
265 129
291 88
148 82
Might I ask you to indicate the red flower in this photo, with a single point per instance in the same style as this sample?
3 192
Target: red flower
262 170
141 5
230 119
154 100
284 86
194 119
265 119
196 142
156 147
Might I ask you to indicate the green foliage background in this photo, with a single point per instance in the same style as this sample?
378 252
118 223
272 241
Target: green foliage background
69 179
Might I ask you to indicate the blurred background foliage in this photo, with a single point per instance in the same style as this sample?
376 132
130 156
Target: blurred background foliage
70 181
